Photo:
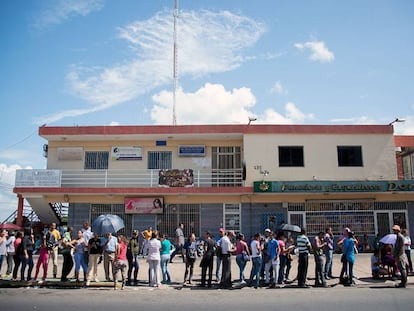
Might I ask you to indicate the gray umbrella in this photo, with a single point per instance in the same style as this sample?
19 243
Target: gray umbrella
107 223
290 228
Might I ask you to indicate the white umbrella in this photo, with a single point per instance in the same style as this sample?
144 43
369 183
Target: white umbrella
389 239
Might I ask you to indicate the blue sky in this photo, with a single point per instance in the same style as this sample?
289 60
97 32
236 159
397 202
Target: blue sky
101 62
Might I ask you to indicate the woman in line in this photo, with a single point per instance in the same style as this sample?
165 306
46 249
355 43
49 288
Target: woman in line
67 254
120 262
242 256
27 256
132 256
348 249
18 253
42 260
165 258
153 259
80 245
190 247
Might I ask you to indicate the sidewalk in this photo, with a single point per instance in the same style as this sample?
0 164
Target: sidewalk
362 271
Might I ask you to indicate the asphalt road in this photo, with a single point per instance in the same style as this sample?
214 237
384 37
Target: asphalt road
173 299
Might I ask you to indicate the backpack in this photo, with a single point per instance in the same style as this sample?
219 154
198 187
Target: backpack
51 241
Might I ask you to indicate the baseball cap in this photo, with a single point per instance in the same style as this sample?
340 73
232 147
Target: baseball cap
396 227
268 230
221 230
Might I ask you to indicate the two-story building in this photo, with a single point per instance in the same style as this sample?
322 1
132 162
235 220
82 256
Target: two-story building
241 177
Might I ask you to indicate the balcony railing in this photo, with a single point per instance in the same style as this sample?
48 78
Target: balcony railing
123 178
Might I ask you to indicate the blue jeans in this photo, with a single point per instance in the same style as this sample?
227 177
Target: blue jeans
281 277
80 261
133 264
26 262
328 263
166 277
255 272
242 265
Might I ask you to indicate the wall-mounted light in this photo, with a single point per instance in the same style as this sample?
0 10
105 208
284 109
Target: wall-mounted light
397 120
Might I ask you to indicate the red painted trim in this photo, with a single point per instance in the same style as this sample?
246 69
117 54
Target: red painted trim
134 191
404 141
216 129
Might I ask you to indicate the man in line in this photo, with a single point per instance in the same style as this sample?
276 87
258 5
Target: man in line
179 242
400 256
87 235
318 246
328 250
304 246
226 249
52 238
109 248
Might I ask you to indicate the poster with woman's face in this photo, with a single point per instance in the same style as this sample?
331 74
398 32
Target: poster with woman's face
144 205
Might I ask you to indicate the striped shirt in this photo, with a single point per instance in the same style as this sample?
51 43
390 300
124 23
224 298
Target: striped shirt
303 244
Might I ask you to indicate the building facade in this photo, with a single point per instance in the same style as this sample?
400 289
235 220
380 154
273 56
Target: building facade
242 177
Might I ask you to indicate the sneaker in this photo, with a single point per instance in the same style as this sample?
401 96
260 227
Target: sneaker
242 282
88 283
96 280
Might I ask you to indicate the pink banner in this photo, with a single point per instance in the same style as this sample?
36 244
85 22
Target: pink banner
144 205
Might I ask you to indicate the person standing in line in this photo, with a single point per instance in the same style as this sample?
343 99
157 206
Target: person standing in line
179 242
79 244
10 253
109 250
3 247
318 247
208 260
348 249
407 247
87 235
53 237
256 249
66 252
304 246
147 235
42 260
290 246
153 259
27 256
120 261
227 249
190 248
132 256
328 250
165 259
400 256
18 253
95 251
274 253
242 250
280 237
218 254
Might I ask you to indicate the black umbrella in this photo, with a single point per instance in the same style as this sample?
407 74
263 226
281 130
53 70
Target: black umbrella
290 228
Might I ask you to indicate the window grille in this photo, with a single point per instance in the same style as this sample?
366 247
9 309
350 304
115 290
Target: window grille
159 160
96 160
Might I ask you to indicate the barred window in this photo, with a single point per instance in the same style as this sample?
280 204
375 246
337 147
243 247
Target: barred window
96 160
159 160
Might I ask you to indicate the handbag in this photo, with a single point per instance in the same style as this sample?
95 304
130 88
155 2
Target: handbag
246 257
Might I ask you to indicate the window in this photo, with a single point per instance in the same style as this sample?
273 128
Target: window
96 160
290 156
159 160
349 156
232 217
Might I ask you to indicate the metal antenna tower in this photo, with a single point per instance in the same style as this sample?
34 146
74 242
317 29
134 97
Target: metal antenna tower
175 68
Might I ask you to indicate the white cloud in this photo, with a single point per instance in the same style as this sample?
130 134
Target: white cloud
356 120
226 33
8 199
213 104
278 88
59 11
319 52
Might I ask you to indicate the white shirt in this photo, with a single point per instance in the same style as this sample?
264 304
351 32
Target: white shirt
225 244
255 246
154 247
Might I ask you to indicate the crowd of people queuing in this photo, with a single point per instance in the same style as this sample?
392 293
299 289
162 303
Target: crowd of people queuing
271 255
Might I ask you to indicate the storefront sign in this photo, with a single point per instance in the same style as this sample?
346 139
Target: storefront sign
332 186
144 205
126 153
38 178
191 151
176 178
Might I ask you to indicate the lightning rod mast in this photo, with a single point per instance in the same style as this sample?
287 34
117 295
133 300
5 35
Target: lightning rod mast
175 68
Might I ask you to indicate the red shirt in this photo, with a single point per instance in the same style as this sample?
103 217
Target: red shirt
122 251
